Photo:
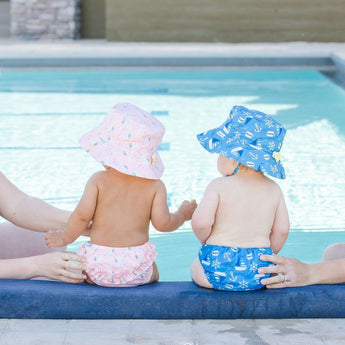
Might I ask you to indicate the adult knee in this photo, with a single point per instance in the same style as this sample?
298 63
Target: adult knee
333 252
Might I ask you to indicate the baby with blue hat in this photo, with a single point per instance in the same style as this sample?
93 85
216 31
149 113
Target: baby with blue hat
242 214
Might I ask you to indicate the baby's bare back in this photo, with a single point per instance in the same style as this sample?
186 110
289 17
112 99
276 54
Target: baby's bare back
246 211
123 211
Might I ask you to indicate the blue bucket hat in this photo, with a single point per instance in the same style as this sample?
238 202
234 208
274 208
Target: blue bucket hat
249 137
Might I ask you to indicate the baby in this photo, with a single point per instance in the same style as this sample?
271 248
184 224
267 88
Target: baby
242 214
122 200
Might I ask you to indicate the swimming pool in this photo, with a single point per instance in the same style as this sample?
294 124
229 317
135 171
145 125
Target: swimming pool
43 113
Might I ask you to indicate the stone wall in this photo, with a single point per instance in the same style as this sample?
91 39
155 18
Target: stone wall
45 19
4 19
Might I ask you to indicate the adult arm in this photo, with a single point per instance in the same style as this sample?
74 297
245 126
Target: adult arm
161 217
204 215
27 211
52 266
298 273
281 226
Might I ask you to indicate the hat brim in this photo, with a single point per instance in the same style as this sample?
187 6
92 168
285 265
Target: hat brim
246 155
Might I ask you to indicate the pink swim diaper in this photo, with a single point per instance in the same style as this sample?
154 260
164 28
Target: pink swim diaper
119 266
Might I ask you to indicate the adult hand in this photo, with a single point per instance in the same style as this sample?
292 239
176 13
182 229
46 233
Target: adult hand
289 272
64 266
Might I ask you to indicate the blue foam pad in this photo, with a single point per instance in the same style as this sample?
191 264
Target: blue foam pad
33 299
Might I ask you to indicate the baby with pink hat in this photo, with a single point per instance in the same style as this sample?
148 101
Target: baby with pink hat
122 200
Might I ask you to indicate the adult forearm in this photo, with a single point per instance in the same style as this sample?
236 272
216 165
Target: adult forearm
330 272
64 266
35 214
22 268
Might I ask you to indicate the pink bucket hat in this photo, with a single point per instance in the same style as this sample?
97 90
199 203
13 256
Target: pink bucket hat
127 140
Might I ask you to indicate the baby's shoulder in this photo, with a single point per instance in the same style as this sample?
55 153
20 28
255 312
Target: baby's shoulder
98 177
157 185
273 187
217 183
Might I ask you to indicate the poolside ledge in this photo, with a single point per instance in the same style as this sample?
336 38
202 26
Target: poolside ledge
33 299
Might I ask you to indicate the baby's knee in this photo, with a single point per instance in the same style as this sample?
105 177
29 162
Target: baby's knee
333 252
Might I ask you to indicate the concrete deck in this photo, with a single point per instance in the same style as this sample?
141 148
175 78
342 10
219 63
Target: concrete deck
208 332
171 332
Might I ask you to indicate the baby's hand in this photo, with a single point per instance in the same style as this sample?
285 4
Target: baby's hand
54 238
187 208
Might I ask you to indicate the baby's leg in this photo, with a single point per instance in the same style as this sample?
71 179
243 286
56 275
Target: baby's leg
155 274
333 252
16 242
198 275
88 280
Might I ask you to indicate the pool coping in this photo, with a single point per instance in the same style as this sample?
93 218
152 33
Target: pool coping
103 54
34 299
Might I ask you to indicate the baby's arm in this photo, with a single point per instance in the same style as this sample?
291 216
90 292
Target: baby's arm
204 216
162 219
281 226
80 218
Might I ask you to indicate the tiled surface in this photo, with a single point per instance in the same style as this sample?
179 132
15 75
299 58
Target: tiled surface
173 332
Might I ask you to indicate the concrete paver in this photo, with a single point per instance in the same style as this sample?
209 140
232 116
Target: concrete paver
173 332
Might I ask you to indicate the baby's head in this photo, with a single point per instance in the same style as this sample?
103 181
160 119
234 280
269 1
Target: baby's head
127 140
228 166
248 137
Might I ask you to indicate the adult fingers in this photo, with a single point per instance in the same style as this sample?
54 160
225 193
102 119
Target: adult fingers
70 256
280 285
75 265
71 280
72 275
276 259
276 286
271 269
277 279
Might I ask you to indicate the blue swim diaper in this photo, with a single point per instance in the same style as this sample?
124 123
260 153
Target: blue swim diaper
233 269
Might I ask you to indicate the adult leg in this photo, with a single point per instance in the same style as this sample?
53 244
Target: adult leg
198 275
334 252
16 242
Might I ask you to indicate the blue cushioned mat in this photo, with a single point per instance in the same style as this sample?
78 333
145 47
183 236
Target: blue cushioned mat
33 299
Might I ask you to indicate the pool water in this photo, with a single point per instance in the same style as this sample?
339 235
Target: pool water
43 113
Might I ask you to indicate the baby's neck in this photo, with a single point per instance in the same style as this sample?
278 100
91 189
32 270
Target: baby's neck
245 171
